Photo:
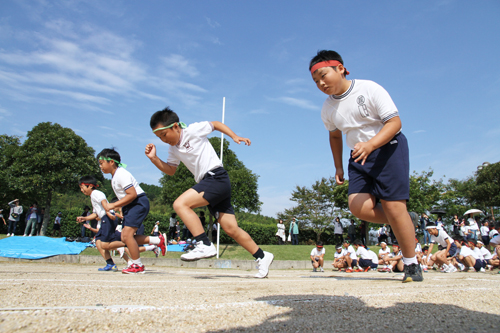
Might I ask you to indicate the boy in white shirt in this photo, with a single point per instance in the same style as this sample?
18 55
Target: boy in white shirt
395 260
135 208
317 257
466 256
190 145
365 259
379 165
486 254
57 225
339 258
350 257
383 255
440 237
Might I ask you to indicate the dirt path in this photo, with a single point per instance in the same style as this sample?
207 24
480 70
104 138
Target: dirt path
40 297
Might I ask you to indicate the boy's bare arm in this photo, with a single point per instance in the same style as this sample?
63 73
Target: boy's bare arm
164 167
130 196
363 149
336 147
226 130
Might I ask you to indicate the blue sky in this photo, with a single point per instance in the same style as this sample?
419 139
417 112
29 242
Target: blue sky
103 67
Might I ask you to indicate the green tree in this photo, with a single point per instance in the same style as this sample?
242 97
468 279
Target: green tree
8 147
52 159
425 192
318 205
243 181
457 197
486 191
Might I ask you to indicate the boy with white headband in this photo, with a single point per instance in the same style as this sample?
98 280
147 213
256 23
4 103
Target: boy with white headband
379 170
440 236
190 145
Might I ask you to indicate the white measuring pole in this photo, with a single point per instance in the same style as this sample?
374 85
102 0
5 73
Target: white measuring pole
221 154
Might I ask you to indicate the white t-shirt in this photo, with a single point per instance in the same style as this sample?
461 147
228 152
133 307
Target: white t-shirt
195 151
360 112
363 253
441 238
495 239
466 251
57 220
337 228
493 233
486 254
418 248
478 252
373 256
473 224
122 181
173 221
96 197
341 254
382 253
316 253
352 253
485 231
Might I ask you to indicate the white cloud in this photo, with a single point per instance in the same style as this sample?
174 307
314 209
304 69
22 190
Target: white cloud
418 131
301 103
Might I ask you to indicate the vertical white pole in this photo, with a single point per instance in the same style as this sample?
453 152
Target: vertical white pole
221 154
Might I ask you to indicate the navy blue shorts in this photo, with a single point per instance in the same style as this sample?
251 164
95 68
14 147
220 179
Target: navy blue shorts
354 262
107 231
367 263
478 265
135 212
217 191
453 250
386 173
486 240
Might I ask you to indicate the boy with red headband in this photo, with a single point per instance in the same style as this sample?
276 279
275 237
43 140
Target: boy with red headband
379 170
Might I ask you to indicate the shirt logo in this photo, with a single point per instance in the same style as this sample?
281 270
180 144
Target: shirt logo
188 147
363 110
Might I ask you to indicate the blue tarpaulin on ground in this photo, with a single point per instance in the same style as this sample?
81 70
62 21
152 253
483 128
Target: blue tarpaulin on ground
38 247
176 248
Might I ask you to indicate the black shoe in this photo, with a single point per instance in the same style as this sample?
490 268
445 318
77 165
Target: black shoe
413 273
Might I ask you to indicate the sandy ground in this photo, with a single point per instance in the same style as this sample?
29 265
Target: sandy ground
41 297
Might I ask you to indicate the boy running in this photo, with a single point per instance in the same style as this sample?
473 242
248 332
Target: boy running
379 165
190 145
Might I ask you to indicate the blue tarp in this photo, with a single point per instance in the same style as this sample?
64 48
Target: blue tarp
176 248
38 247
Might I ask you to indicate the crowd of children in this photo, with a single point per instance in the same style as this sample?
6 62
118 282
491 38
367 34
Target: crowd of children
452 255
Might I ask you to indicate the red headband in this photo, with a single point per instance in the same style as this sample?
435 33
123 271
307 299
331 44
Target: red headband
328 63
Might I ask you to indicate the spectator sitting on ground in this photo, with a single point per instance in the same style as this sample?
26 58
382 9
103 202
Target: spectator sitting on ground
339 257
466 256
472 244
486 254
366 260
383 255
396 260
351 258
317 257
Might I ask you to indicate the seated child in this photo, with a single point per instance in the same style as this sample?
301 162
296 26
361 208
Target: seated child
339 261
365 261
351 258
317 256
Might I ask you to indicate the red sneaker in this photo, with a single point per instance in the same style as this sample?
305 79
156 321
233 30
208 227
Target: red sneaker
366 269
348 270
358 270
133 269
162 244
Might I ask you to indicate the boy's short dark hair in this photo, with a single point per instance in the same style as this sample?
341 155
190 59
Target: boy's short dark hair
319 244
163 117
357 242
325 55
110 153
425 248
88 180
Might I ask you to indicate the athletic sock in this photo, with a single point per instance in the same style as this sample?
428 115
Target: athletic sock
409 261
259 254
137 262
110 262
155 240
149 247
203 238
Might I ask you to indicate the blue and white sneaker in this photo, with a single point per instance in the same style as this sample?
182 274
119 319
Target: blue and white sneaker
109 267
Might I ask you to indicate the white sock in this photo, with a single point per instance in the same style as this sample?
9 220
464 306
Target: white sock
155 240
409 261
137 262
149 247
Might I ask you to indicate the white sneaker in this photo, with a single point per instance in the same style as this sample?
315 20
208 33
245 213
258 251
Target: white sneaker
444 268
263 265
451 269
462 266
201 251
25 235
482 270
8 235
321 269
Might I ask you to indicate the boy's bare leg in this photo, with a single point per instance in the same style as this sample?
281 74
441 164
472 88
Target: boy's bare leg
129 240
184 206
230 226
364 207
112 245
401 225
104 253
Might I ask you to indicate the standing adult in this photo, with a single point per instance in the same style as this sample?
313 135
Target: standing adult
382 234
39 221
338 231
439 222
351 231
15 213
172 226
281 232
294 231
473 227
456 225
31 220
86 212
362 230
424 219
1 216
